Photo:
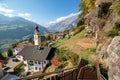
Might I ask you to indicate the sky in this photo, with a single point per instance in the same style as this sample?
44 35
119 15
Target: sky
40 11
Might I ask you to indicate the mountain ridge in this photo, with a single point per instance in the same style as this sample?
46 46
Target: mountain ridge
63 25
17 25
16 28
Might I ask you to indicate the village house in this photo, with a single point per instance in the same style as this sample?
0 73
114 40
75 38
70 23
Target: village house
71 32
60 35
36 57
52 37
16 50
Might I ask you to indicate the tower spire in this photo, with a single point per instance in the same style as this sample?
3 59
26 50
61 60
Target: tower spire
36 28
37 38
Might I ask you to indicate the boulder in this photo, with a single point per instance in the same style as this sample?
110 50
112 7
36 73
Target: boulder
113 51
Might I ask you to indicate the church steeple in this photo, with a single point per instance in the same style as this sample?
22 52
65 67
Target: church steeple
37 38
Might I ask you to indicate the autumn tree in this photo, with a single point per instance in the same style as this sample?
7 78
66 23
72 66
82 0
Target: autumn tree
86 6
56 60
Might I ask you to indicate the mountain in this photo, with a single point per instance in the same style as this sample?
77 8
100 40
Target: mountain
66 24
16 28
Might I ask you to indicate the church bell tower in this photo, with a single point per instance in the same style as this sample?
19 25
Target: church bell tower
37 38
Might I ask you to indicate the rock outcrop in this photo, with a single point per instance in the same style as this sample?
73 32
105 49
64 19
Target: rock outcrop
113 63
99 21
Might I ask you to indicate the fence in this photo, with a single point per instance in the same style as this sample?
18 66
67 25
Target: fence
81 72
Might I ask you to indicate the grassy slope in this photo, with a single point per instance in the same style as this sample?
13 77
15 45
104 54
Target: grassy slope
76 43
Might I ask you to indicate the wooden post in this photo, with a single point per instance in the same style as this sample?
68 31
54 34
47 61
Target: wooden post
98 69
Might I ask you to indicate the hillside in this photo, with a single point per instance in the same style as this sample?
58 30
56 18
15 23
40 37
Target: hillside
76 43
100 38
16 28
20 26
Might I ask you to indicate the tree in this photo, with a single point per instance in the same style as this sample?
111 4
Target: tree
85 7
116 7
10 53
56 60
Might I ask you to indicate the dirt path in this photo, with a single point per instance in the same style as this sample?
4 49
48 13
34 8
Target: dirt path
86 43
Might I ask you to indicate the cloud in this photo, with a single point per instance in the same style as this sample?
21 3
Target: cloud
24 14
5 10
11 12
64 17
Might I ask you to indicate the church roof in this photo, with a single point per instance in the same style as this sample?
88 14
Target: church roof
36 53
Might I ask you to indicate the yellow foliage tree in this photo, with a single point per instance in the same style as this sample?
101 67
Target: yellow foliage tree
89 4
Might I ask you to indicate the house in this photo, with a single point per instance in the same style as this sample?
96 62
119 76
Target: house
36 57
2 61
16 50
52 37
60 35
71 32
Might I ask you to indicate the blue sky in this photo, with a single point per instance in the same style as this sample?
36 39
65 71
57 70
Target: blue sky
40 11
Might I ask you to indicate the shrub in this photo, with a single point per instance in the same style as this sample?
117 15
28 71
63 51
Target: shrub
4 54
80 22
85 54
10 53
67 55
114 31
45 43
79 29
56 60
117 26
74 59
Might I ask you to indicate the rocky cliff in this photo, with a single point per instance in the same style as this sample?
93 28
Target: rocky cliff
113 59
99 21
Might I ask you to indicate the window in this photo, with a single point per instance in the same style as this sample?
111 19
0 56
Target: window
44 62
35 62
35 68
30 63
39 62
39 68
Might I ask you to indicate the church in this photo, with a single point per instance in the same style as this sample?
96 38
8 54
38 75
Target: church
36 57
